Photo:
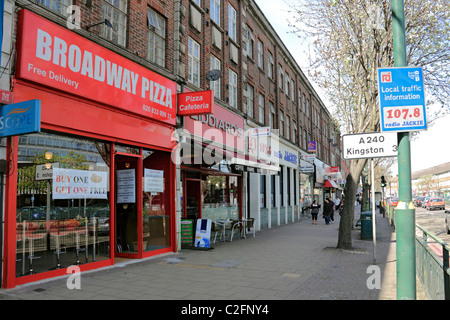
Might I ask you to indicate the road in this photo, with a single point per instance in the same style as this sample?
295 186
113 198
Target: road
433 221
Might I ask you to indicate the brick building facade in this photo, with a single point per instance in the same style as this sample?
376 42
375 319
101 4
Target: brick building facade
176 43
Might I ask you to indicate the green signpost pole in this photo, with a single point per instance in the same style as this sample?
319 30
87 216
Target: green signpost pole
405 212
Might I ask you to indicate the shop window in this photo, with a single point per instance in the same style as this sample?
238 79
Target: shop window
63 214
220 197
262 191
156 200
126 149
288 186
272 191
281 187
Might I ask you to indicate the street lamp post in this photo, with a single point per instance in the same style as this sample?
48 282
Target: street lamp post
405 211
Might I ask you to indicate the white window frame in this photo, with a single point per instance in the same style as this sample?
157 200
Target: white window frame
215 85
281 124
194 62
270 65
261 107
59 6
286 84
233 89
271 115
156 38
260 48
215 11
250 41
111 9
232 21
280 77
288 127
250 100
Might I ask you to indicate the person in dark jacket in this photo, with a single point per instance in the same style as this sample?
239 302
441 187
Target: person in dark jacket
327 208
314 211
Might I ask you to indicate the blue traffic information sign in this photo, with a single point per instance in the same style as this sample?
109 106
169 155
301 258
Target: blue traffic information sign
402 99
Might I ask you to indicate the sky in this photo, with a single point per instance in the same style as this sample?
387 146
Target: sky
428 149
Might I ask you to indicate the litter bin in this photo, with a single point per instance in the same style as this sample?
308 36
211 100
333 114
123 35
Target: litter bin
366 225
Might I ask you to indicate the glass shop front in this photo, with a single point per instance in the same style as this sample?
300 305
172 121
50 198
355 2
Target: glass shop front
96 184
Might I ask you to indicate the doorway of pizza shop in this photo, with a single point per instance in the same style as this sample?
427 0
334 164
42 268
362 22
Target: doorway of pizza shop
127 177
143 208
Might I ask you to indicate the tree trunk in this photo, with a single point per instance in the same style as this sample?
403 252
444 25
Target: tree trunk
348 212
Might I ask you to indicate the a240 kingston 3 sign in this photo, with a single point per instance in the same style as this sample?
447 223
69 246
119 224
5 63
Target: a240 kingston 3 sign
56 57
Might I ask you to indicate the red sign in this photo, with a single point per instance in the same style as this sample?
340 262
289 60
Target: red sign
191 103
334 169
56 57
6 97
223 126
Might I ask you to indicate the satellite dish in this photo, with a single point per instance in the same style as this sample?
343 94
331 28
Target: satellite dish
213 75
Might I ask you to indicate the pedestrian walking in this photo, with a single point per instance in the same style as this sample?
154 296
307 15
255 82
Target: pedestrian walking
314 211
331 211
327 209
341 207
337 203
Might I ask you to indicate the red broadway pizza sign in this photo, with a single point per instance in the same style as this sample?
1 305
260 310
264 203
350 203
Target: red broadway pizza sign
56 57
199 102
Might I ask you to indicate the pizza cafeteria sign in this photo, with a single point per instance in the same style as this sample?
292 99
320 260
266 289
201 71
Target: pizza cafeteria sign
56 57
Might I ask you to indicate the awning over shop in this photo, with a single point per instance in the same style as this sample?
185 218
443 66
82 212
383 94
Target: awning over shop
330 184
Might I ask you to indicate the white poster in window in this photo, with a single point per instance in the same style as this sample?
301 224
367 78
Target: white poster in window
126 186
79 184
153 180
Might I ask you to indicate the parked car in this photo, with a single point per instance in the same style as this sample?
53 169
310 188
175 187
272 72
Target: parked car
424 202
393 202
31 213
435 203
419 201
102 218
447 221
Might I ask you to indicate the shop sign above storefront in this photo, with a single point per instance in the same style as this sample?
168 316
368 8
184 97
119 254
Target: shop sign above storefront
51 55
260 132
194 103
306 167
20 118
223 127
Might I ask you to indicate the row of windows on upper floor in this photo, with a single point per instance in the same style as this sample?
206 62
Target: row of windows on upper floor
116 12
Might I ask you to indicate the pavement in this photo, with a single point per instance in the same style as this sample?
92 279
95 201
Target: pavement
297 261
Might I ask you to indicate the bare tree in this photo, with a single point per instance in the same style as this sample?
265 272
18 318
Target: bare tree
352 39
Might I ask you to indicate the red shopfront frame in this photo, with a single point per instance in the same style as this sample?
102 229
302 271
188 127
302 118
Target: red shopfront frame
66 114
